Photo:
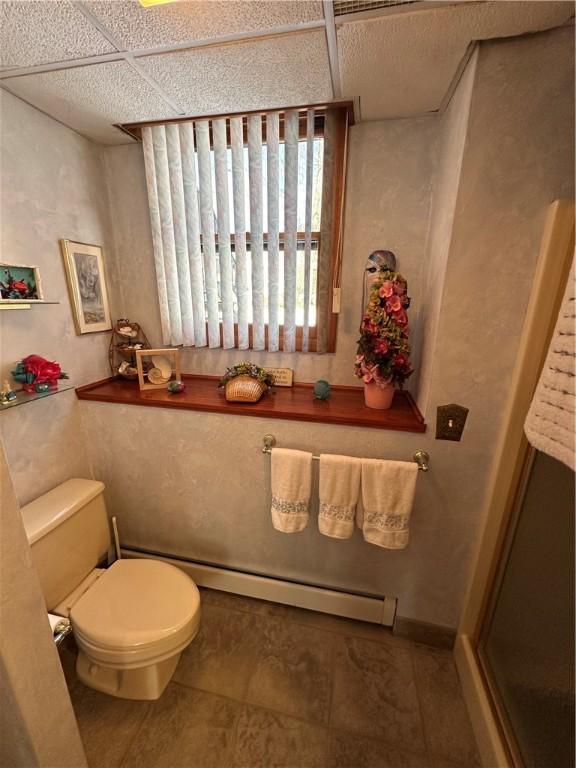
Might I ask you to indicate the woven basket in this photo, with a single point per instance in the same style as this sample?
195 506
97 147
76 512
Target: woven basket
244 389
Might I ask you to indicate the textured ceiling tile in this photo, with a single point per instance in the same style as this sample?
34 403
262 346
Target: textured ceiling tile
37 32
138 27
403 65
90 99
276 72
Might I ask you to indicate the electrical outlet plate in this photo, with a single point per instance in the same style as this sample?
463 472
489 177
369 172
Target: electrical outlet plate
450 421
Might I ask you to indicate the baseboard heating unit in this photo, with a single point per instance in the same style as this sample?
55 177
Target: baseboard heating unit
378 610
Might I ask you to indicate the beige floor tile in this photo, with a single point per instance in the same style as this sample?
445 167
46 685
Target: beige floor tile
223 654
304 617
271 740
375 693
245 604
294 670
186 729
309 670
350 751
224 599
348 627
68 654
446 722
440 763
107 724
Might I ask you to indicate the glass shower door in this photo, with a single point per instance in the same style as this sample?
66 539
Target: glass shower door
526 648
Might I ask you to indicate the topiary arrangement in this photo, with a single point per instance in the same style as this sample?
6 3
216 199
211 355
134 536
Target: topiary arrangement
247 369
383 355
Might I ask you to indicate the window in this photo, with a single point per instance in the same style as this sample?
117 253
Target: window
246 215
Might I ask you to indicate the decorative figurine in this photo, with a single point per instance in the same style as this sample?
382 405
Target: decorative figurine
7 395
322 389
377 263
176 387
36 374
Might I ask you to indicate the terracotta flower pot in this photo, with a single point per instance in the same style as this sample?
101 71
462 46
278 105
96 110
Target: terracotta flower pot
378 397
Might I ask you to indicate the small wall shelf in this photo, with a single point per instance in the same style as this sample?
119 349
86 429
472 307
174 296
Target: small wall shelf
29 397
24 304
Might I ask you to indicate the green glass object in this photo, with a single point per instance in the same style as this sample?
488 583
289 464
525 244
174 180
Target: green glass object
176 387
322 389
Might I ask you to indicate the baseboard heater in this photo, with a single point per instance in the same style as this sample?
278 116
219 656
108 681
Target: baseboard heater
378 610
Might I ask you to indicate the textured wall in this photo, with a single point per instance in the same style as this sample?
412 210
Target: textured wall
388 193
453 130
519 157
37 725
52 187
201 487
198 485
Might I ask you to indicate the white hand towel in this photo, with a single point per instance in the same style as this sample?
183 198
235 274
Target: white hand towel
550 424
387 497
339 489
291 483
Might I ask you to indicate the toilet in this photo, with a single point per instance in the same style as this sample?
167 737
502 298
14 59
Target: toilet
131 621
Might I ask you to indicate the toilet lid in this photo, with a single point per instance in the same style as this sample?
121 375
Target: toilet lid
136 603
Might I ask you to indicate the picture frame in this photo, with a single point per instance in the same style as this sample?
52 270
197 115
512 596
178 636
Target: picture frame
161 355
20 283
86 277
283 377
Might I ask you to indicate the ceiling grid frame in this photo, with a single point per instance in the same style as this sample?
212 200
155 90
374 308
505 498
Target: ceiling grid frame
332 43
336 78
141 53
126 55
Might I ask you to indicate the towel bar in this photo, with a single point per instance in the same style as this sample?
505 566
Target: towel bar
420 457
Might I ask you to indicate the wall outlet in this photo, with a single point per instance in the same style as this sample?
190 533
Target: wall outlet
450 421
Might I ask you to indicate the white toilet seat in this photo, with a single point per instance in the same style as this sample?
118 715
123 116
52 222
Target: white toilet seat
138 612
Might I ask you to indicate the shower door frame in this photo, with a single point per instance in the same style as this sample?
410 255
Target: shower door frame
513 458
527 454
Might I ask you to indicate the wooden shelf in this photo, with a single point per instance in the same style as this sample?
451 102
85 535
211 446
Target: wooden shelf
297 403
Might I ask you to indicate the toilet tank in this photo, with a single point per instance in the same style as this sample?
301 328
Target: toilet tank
69 535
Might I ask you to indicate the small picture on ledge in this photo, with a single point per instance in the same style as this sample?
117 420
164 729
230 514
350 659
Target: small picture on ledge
163 366
87 284
19 283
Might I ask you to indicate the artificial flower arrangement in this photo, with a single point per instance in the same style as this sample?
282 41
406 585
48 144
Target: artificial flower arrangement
246 383
36 374
383 356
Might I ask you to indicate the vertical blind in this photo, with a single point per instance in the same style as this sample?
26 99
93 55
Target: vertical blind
226 198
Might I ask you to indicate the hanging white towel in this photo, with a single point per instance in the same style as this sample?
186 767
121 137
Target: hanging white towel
387 497
339 489
291 482
550 424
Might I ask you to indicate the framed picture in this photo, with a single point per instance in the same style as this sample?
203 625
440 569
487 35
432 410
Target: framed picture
87 285
164 365
19 283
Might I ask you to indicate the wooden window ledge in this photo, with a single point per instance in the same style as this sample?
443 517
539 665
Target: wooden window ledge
297 403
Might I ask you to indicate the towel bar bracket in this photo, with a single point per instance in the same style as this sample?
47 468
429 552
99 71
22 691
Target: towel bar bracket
420 457
269 441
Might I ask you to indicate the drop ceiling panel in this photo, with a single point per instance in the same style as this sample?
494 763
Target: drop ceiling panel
138 27
38 32
91 99
403 65
275 72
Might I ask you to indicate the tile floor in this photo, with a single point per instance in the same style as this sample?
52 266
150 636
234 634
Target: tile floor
269 686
